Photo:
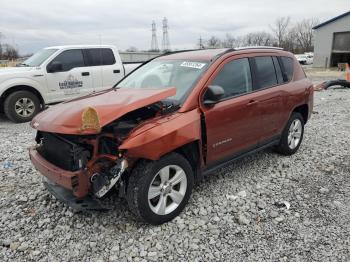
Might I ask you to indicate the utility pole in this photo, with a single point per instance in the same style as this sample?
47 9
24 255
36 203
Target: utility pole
201 45
154 43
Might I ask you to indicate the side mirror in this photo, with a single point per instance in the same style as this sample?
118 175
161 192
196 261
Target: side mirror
55 66
213 95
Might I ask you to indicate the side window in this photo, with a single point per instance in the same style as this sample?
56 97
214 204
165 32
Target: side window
70 59
287 63
235 78
100 56
278 70
265 71
108 56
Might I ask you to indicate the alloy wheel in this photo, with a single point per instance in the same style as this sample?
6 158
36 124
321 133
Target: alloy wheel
294 133
24 107
167 189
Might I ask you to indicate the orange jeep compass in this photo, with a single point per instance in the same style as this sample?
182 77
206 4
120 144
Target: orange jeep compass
172 120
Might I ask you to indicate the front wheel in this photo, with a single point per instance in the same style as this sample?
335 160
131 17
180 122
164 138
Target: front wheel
159 190
21 106
292 135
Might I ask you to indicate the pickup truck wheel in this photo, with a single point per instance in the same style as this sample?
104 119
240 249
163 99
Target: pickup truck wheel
292 135
21 106
159 190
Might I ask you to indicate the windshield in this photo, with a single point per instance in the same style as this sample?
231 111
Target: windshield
38 58
182 74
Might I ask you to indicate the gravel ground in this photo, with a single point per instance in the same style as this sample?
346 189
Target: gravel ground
265 207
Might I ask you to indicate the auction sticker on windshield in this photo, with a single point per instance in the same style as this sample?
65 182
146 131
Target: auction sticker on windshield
193 65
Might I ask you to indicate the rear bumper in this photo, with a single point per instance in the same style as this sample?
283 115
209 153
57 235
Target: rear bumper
77 182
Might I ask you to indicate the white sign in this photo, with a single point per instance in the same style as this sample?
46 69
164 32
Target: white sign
193 65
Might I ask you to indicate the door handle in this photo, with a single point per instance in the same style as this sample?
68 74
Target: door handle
116 71
252 102
85 73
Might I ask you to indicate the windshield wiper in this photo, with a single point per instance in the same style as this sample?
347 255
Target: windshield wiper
169 106
24 64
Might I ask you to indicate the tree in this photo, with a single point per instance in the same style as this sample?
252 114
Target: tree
290 43
7 51
304 34
214 42
280 30
291 37
229 41
261 38
131 49
10 52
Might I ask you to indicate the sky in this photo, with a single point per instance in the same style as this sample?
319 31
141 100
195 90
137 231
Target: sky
33 24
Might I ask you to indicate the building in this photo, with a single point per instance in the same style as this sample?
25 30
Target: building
332 41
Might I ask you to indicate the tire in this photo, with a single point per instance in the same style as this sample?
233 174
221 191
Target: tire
25 99
147 205
286 145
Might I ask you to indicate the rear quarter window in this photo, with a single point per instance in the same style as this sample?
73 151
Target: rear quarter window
287 68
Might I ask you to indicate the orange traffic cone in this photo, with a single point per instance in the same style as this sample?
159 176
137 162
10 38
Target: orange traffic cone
347 72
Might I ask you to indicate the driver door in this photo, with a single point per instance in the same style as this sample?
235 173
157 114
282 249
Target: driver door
73 79
232 124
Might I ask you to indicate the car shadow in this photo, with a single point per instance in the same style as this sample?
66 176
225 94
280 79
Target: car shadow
4 119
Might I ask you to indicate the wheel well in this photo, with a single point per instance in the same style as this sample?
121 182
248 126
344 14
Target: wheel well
191 152
22 88
303 110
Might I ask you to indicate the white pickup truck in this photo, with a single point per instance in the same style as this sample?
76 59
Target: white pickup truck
56 74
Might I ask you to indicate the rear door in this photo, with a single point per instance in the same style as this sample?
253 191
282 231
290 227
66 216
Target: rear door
73 80
269 92
232 125
105 66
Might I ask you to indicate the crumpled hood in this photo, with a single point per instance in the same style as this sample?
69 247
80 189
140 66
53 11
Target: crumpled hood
66 118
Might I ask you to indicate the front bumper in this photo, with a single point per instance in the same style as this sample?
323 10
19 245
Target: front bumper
77 182
78 204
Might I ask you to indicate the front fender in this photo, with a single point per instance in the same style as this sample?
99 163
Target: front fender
22 81
165 137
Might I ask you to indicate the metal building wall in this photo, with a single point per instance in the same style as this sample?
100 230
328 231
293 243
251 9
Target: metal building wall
324 40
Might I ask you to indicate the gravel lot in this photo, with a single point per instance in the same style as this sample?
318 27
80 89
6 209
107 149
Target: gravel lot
263 208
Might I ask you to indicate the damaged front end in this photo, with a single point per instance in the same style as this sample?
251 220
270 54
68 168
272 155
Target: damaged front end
81 169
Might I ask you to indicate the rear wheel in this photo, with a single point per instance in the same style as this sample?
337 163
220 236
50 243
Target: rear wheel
292 135
159 190
21 106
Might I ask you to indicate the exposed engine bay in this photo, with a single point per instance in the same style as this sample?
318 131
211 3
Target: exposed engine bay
97 154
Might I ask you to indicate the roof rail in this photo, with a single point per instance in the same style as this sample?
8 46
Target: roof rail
229 50
198 49
179 51
258 47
